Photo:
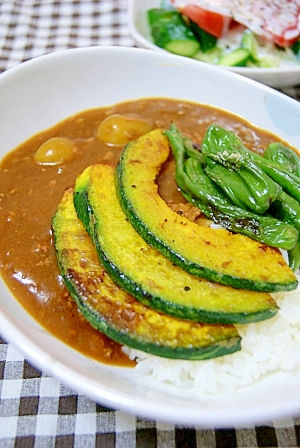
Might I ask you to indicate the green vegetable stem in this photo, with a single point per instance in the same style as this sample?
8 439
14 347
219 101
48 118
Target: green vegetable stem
202 187
179 152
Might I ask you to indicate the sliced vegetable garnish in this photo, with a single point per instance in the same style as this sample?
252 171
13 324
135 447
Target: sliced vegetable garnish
241 190
117 314
216 255
145 273
212 22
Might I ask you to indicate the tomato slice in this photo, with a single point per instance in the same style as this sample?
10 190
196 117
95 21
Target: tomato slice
212 22
288 38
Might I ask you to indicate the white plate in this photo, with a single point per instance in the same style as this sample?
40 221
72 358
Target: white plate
37 94
140 32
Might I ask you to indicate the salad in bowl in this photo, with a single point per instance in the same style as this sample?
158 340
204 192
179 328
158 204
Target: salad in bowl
229 32
254 38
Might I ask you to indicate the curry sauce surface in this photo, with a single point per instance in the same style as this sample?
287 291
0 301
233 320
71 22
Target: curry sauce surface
30 193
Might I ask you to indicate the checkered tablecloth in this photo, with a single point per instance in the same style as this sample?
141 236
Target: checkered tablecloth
31 28
37 410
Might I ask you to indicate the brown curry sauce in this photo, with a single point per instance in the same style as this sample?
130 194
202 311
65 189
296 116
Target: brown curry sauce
30 193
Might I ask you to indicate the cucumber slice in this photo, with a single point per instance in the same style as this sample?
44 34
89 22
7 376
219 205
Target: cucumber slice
210 56
207 40
238 57
267 62
182 47
250 43
170 32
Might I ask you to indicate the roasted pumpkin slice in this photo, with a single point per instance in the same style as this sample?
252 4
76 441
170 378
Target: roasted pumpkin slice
115 313
215 254
147 274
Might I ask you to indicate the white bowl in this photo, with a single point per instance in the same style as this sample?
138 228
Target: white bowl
37 94
140 32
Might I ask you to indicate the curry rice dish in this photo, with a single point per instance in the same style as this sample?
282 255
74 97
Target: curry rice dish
33 179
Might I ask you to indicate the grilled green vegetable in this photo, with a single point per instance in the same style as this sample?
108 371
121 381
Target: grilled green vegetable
216 255
170 32
294 256
214 203
287 209
228 165
117 314
145 273
286 157
266 229
289 182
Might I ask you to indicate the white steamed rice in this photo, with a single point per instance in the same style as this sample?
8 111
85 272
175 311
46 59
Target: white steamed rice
268 347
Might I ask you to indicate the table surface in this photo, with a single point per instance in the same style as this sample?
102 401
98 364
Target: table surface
37 410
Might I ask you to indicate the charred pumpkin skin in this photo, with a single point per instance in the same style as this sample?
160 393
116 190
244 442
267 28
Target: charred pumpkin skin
118 315
214 254
148 275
